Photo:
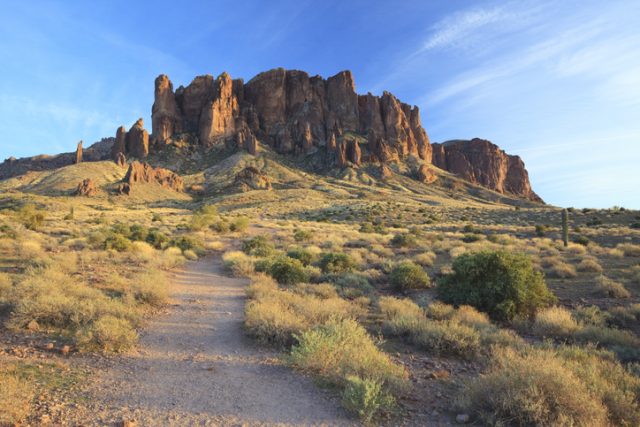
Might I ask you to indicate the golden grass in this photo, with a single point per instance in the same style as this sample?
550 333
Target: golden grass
15 397
610 288
554 322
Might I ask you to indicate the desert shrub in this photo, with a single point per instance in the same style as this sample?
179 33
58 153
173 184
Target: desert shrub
555 322
501 284
425 259
203 217
591 315
541 230
190 255
439 311
287 271
531 389
185 243
352 285
117 242
275 315
392 308
142 252
138 232
239 224
300 235
258 246
408 275
156 217
623 343
170 258
446 337
343 348
336 262
108 333
563 270
303 255
404 240
220 225
150 288
590 265
471 237
157 239
469 316
610 288
366 398
624 317
31 217
629 249
581 240
15 398
239 263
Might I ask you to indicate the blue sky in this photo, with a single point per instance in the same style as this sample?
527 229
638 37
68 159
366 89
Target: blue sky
557 82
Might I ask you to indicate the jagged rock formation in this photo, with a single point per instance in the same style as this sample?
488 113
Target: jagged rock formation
86 188
145 173
484 163
79 153
293 113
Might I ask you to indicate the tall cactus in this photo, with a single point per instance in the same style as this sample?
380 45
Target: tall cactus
565 227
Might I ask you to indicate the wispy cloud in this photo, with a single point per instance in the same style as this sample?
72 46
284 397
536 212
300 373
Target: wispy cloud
457 28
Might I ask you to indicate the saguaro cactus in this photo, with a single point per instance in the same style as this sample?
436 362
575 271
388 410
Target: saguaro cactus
565 227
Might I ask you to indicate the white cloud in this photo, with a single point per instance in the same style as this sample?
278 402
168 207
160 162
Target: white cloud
460 26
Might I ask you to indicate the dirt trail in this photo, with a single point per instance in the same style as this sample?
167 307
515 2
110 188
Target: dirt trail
194 366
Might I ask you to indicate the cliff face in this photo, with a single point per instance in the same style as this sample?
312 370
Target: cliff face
484 163
293 113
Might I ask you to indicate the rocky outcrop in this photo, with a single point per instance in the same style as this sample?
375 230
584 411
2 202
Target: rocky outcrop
250 178
145 173
293 113
484 163
78 158
86 188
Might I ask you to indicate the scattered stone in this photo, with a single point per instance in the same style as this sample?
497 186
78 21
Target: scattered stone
250 178
145 173
49 346
426 174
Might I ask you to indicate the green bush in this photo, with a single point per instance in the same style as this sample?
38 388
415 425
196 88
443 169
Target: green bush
240 224
302 255
501 283
336 262
366 398
288 271
302 235
138 233
186 243
117 242
408 275
581 240
258 246
404 240
157 239
541 230
352 285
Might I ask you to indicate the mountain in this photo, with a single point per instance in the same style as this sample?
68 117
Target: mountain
322 123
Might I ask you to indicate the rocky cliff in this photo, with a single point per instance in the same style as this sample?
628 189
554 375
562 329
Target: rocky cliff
293 113
484 163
